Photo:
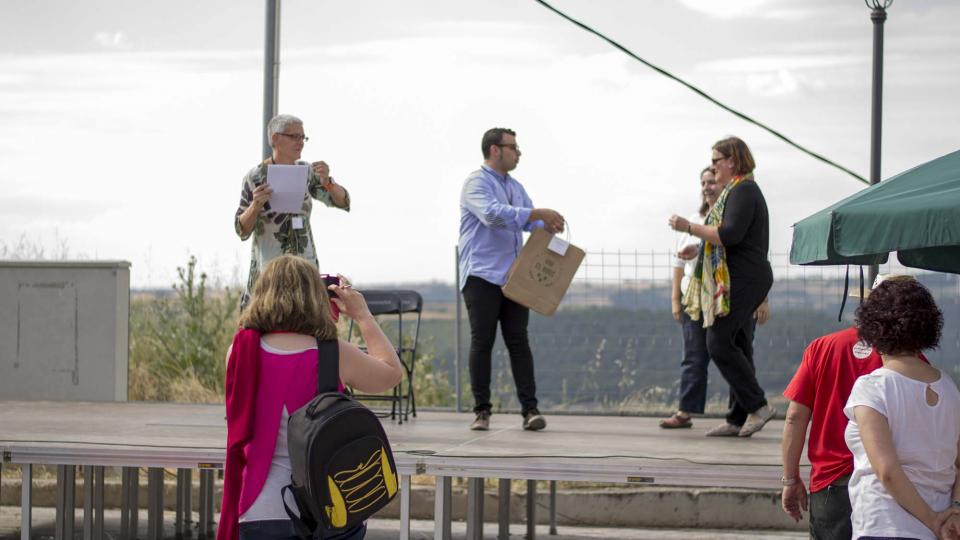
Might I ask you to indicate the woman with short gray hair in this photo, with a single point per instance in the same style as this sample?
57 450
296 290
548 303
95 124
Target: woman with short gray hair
275 234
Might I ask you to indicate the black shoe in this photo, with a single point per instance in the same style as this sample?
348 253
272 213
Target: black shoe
482 423
533 420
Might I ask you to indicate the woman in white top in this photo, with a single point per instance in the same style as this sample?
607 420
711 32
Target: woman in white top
693 367
904 428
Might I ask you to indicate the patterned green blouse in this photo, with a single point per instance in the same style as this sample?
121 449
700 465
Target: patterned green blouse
274 234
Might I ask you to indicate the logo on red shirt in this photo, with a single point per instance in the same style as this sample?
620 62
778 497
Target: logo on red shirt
861 350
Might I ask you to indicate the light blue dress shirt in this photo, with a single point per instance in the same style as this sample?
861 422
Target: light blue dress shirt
494 210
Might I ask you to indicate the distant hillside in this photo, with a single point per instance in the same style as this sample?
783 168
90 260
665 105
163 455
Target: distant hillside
613 346
619 349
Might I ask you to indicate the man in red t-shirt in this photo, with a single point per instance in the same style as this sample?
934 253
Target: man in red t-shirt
817 394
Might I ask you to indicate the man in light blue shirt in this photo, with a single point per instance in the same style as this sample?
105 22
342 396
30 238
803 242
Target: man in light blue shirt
494 212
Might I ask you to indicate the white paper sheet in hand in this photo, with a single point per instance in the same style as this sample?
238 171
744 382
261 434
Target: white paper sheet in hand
289 183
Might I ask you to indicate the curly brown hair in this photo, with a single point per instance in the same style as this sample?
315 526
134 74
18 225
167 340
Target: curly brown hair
900 317
288 296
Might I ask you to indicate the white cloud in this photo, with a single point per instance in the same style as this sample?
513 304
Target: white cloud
782 10
111 40
151 146
773 62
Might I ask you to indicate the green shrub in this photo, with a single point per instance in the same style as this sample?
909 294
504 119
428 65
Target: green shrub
178 344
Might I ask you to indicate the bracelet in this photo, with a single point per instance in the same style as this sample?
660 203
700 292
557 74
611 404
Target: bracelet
784 481
956 504
689 227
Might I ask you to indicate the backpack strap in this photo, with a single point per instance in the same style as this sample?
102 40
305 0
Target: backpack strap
328 366
303 524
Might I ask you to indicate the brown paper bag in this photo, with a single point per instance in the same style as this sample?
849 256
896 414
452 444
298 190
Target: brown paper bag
540 276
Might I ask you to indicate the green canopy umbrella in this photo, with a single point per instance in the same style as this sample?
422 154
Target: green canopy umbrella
915 213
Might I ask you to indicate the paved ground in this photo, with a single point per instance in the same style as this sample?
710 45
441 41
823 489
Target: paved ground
382 529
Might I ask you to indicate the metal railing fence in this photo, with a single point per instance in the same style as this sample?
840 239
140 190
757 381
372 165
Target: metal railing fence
613 347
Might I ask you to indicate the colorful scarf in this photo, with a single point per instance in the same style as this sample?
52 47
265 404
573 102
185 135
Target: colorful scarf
709 289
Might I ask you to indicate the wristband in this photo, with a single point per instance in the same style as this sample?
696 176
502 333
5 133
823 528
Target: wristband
689 227
784 481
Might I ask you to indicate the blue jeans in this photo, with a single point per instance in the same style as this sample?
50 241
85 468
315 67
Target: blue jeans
693 367
283 529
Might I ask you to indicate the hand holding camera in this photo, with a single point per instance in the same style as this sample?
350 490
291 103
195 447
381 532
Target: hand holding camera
347 299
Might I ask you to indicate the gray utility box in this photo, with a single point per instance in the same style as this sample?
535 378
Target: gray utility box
64 330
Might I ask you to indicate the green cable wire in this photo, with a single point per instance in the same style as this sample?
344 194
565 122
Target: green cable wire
703 94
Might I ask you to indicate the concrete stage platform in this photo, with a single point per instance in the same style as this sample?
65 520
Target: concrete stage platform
627 450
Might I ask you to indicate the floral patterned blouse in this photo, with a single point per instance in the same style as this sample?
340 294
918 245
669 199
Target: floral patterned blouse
274 234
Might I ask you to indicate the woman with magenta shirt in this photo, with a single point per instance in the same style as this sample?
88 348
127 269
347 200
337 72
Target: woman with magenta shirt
272 372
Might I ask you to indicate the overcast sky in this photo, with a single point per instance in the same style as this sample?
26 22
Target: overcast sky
126 127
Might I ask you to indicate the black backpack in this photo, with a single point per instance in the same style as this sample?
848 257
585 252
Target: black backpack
342 466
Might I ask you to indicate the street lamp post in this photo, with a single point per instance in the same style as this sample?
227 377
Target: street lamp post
271 69
878 15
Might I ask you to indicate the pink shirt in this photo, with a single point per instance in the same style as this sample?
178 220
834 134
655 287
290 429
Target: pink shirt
258 384
284 379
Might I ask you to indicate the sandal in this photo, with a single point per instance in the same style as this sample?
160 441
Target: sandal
676 421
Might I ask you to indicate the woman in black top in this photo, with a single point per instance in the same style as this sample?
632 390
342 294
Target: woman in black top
737 237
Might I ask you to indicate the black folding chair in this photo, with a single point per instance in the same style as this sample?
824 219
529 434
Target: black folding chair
397 302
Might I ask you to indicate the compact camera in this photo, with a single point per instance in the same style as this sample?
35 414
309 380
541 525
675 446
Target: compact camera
330 280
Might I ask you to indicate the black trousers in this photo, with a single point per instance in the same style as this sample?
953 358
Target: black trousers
830 514
486 306
730 343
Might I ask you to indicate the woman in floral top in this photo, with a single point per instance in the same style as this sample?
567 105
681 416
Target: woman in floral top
276 234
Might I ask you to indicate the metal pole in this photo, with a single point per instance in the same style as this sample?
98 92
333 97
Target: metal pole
188 500
178 513
125 504
878 15
441 508
271 69
503 510
211 505
61 490
405 506
69 501
475 509
134 502
456 353
531 510
88 502
26 501
98 501
553 507
155 503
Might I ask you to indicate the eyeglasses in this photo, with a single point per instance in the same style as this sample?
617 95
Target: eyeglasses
513 147
296 136
716 159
